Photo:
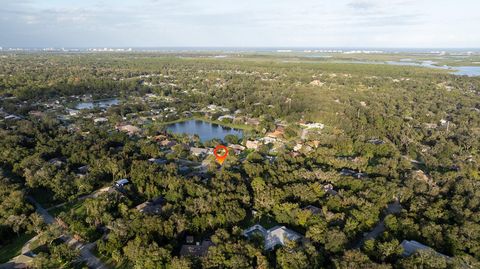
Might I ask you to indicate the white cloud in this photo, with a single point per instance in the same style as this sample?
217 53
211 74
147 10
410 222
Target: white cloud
374 23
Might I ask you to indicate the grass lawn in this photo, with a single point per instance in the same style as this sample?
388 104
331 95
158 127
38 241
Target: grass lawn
13 249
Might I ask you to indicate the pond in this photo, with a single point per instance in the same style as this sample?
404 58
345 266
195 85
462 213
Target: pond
104 103
205 130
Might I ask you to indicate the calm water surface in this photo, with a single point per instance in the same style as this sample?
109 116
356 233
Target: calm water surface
205 130
471 71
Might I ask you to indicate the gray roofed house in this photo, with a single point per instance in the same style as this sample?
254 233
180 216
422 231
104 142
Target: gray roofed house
157 161
277 235
313 209
197 250
151 207
412 246
122 182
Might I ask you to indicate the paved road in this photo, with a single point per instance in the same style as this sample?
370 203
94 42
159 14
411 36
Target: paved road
393 208
85 249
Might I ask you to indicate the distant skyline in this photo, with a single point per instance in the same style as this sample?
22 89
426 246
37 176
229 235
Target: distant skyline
246 23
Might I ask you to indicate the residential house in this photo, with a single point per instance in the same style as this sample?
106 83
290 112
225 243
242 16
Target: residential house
252 121
153 207
83 169
197 250
252 144
57 162
278 235
352 173
100 120
328 188
313 209
157 161
199 151
277 134
412 246
375 141
129 129
297 147
229 117
236 148
313 125
167 143
35 113
122 182
12 117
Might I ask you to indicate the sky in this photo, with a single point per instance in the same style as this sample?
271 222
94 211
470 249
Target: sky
240 23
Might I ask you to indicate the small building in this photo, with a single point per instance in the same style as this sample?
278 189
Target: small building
122 182
197 250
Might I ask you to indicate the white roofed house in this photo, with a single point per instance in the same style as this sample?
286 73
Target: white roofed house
199 151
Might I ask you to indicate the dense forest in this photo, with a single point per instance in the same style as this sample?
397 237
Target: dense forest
394 136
